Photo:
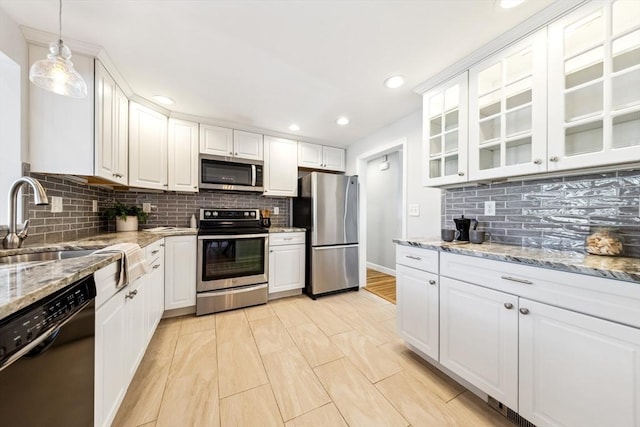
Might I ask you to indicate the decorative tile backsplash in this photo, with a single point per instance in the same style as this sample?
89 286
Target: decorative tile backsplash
554 212
168 209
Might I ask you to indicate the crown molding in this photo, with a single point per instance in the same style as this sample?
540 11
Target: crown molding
43 38
550 13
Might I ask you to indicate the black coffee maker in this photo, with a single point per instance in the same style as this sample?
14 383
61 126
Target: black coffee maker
462 225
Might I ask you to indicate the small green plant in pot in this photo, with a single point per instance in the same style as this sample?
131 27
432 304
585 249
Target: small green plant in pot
126 217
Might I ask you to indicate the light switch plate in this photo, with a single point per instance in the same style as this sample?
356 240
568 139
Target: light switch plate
490 208
414 209
276 210
94 206
146 207
56 204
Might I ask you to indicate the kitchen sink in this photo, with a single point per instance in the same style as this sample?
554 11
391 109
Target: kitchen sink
44 256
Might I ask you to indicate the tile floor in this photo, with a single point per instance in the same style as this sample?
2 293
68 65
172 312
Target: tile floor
295 362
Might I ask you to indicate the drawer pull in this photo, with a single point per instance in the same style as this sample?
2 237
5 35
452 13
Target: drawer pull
508 305
524 310
162 245
156 266
131 294
417 258
155 252
287 238
432 282
514 279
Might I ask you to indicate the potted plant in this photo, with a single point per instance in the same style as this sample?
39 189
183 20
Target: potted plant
126 217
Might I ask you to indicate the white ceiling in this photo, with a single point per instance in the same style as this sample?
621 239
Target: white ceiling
270 63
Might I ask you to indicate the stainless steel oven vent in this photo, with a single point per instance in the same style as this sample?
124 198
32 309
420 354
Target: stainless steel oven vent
509 413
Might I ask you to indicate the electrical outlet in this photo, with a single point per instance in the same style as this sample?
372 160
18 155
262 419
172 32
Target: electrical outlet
94 206
276 210
56 204
146 207
490 208
414 209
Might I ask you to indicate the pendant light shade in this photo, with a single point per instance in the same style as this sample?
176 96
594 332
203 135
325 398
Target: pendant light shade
56 73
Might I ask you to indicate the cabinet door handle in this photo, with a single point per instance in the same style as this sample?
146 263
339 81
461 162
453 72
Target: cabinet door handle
271 251
231 152
524 310
156 266
553 159
508 305
236 154
155 252
432 282
287 238
515 279
537 161
131 294
162 245
417 258
195 186
460 173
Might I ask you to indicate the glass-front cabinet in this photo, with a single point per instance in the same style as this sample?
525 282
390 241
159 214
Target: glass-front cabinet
445 133
508 111
594 86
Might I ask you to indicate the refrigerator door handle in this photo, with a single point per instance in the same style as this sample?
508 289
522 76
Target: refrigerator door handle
325 248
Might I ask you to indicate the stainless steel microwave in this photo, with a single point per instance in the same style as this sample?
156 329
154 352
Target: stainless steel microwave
219 173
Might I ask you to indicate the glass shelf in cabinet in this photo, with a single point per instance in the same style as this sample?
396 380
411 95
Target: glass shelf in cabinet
435 146
584 101
518 151
435 125
451 165
585 138
518 121
489 157
626 130
451 142
434 168
625 90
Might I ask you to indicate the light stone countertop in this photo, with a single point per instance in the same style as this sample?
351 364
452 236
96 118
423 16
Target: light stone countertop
286 230
24 284
620 268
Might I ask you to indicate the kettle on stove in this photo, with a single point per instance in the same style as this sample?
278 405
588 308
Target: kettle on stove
462 225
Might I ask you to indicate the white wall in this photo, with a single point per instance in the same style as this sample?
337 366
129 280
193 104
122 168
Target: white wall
384 199
14 103
410 127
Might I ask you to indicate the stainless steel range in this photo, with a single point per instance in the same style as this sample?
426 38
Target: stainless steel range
232 260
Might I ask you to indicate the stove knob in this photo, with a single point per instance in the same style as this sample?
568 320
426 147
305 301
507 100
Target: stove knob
253 214
246 214
207 214
215 213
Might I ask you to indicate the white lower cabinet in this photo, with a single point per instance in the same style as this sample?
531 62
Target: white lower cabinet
286 262
180 272
417 302
154 296
136 324
479 338
577 370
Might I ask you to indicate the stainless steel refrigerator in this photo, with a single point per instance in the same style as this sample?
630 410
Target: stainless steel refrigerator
327 207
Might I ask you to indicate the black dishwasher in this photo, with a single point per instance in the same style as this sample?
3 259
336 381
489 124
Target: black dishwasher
47 360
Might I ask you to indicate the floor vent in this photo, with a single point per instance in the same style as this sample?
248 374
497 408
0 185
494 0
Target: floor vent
508 413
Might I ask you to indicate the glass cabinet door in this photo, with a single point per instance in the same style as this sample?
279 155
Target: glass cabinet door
445 133
507 111
594 86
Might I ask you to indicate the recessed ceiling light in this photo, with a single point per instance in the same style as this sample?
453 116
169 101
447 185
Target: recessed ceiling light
509 4
294 127
163 99
394 82
342 121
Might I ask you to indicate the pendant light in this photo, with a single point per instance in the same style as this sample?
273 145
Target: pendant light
56 73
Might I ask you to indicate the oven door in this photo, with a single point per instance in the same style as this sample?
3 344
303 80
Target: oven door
232 260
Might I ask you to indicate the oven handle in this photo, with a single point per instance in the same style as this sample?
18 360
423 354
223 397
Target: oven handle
232 237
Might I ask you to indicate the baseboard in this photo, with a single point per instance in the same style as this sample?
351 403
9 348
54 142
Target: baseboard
179 312
284 294
381 269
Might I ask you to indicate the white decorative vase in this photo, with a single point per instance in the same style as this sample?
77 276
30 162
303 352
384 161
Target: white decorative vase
131 224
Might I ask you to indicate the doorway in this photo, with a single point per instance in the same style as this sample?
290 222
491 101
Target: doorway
383 196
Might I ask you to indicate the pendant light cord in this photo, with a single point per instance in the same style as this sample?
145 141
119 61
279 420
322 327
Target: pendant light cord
60 22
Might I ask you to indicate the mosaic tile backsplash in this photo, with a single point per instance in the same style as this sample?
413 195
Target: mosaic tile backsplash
555 213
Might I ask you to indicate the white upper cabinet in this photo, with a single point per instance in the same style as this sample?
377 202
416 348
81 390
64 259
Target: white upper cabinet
248 145
280 167
315 156
219 141
183 156
111 128
216 141
445 133
594 86
147 148
508 111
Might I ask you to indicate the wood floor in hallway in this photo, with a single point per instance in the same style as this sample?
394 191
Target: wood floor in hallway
381 284
295 362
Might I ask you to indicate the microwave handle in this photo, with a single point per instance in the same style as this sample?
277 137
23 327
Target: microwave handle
253 175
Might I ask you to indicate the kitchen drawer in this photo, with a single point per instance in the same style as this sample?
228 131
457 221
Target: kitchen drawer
279 239
106 280
154 251
609 299
422 259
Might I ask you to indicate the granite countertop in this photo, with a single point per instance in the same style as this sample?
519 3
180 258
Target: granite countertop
24 283
620 268
286 229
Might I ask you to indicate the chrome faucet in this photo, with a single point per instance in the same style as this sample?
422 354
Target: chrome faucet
13 240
